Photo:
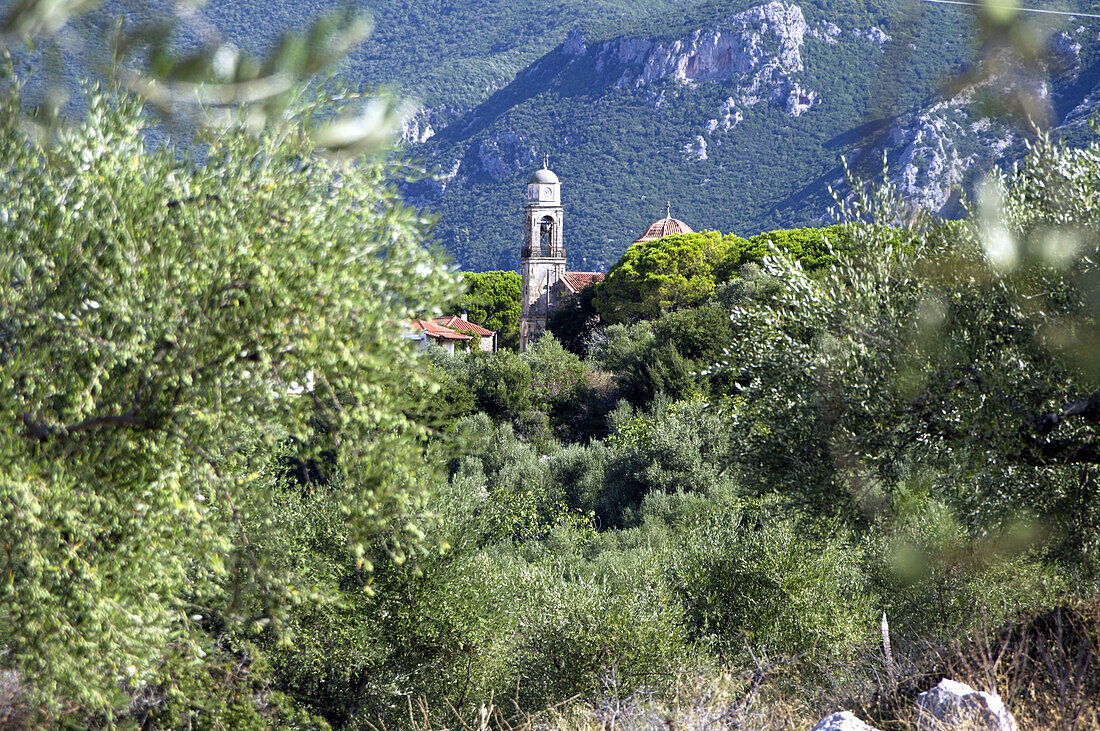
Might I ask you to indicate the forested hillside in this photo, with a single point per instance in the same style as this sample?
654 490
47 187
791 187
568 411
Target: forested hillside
739 110
741 142
448 54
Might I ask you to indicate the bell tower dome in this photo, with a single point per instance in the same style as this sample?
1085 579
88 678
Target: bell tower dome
542 260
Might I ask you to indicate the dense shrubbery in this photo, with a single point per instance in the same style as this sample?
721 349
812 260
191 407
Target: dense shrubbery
754 581
878 429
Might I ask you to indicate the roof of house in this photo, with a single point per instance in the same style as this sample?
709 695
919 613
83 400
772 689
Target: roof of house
576 281
434 330
458 324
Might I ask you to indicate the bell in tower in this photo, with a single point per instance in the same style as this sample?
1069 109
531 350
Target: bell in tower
542 260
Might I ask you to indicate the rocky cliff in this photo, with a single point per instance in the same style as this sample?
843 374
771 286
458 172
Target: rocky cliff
936 155
757 52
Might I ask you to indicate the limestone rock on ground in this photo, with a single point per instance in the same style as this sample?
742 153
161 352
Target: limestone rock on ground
955 705
842 721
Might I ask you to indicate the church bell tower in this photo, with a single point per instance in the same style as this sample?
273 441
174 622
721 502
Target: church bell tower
542 261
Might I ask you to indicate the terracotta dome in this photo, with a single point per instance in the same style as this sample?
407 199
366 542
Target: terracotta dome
667 226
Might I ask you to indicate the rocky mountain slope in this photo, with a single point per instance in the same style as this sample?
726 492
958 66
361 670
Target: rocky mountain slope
741 122
738 111
937 153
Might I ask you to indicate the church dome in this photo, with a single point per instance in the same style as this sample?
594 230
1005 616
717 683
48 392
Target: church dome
667 226
543 176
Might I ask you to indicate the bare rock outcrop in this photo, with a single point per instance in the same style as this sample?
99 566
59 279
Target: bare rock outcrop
425 122
768 36
503 154
1064 54
759 49
842 721
955 705
931 166
417 129
696 149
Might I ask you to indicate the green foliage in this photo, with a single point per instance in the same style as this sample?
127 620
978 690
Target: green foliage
676 272
676 447
665 274
642 366
671 355
932 573
473 66
909 355
919 391
492 301
585 635
574 321
508 608
623 158
222 466
621 348
556 374
522 502
501 382
456 396
814 248
226 689
189 76
159 314
754 579
448 55
699 334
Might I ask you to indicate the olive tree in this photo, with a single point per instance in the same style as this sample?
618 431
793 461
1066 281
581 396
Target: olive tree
965 347
169 321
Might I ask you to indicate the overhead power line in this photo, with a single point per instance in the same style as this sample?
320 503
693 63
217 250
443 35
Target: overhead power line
1009 7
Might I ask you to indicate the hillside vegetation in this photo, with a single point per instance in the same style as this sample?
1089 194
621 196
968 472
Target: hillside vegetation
626 133
633 111
445 53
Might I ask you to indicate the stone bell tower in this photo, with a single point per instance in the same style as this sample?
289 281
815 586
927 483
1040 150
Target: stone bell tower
542 262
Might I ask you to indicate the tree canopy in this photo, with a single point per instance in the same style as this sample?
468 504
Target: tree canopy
683 270
492 301
170 326
938 346
665 274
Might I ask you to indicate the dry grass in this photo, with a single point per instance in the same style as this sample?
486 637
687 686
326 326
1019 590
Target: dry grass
14 712
759 698
1045 666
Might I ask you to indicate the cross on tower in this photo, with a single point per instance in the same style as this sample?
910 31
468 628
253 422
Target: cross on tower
668 209
546 161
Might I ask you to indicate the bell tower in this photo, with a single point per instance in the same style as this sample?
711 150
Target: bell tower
542 261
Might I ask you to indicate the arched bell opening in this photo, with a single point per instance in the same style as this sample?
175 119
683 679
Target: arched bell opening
546 236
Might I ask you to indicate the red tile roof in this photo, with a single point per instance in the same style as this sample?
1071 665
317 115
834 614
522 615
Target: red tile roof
458 324
433 330
664 227
576 281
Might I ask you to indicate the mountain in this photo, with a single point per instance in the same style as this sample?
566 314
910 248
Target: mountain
446 54
738 111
